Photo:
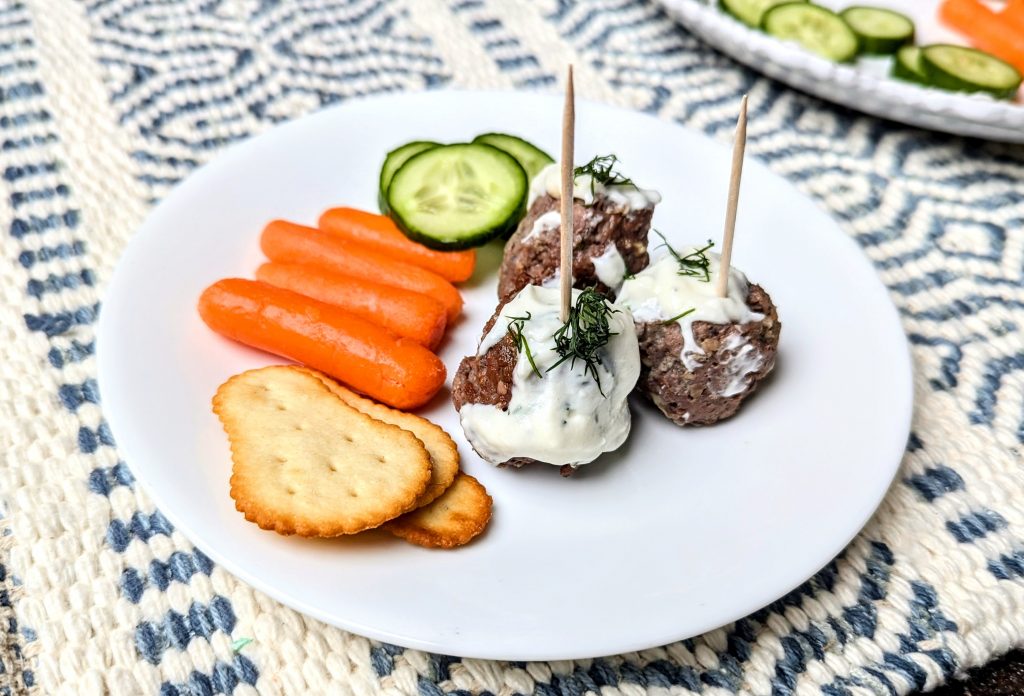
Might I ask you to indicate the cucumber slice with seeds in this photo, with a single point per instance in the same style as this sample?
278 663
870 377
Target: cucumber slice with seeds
531 157
907 65
458 196
880 31
818 30
395 159
963 69
750 12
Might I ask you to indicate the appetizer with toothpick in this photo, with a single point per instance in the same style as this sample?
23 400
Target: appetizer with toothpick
707 336
543 390
702 354
552 374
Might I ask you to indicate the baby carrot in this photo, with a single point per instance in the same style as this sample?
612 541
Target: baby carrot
381 234
409 314
368 358
987 30
287 242
1013 13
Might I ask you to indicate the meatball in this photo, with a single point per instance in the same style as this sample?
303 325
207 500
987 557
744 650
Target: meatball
532 255
736 357
487 379
521 400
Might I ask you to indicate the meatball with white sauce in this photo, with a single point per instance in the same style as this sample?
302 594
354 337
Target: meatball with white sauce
702 355
524 398
611 219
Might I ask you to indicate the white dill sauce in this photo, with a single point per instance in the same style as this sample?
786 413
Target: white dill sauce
560 417
610 267
744 361
660 293
548 222
585 188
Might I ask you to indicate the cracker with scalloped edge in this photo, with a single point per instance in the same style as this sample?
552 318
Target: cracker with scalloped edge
304 462
444 454
454 519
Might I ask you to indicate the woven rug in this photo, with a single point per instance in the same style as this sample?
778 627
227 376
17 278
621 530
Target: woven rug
106 104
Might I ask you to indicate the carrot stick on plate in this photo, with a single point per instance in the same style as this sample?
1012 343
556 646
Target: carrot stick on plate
396 371
380 233
986 29
1013 13
406 313
287 242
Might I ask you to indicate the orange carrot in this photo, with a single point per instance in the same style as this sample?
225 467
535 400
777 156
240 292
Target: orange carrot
406 313
290 243
1014 14
381 234
986 29
368 358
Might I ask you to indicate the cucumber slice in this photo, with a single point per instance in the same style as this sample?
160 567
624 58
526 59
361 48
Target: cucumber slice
458 196
965 69
395 159
907 65
750 12
531 157
818 30
880 31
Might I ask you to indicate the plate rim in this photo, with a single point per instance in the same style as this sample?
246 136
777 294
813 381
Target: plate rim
293 600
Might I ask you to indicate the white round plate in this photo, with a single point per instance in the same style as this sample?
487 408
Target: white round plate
865 85
677 533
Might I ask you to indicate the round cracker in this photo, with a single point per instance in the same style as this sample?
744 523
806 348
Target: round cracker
305 462
452 520
444 453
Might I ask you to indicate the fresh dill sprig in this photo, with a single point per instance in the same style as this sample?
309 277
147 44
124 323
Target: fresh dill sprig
585 333
515 330
677 317
602 171
695 264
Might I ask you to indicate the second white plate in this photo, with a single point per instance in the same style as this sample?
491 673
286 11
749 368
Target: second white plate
677 533
864 86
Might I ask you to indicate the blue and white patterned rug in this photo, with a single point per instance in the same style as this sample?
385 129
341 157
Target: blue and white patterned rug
106 104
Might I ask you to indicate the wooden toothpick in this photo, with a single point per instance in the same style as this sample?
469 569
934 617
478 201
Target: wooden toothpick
738 148
568 134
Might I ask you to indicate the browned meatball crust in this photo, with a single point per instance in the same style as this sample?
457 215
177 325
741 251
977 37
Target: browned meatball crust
694 397
487 379
534 260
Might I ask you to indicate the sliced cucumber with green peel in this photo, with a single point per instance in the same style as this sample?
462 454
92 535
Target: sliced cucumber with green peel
531 157
818 30
908 66
963 69
458 196
395 159
750 12
880 31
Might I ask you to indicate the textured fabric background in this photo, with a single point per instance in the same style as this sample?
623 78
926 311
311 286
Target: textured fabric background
106 104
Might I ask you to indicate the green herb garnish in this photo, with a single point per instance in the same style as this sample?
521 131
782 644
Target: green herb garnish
602 171
240 643
677 317
515 330
585 333
695 264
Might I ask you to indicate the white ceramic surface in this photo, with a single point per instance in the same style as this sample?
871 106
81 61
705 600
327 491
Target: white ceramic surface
864 86
675 534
